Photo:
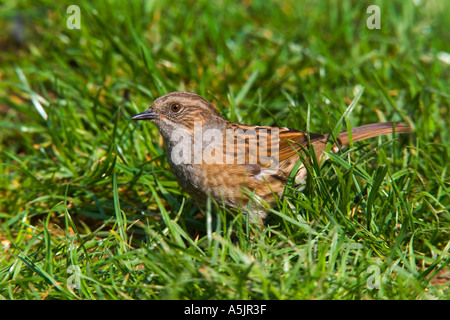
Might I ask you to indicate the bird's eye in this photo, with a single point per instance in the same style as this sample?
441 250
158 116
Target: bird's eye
175 107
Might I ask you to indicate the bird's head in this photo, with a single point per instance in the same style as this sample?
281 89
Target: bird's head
181 110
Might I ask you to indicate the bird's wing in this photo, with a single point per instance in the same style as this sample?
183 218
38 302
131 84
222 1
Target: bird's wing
293 142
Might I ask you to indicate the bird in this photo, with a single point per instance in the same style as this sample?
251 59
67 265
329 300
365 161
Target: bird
241 167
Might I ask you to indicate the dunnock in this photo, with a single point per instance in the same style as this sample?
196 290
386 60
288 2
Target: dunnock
239 166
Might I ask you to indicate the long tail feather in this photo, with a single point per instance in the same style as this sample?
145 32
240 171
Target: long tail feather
372 130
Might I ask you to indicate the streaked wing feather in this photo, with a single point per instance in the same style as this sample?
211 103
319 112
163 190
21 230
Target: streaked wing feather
292 141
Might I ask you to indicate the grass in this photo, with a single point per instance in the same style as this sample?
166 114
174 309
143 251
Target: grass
87 196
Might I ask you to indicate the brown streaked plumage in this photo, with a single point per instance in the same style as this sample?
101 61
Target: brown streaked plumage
229 181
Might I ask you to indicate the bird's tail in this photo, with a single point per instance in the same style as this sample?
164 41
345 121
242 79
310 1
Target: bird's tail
372 130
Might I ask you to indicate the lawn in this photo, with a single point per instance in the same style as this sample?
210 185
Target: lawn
89 208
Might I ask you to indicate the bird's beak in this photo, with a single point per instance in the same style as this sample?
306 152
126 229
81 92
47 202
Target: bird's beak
149 114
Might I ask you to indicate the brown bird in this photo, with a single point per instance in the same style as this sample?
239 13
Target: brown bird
237 165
